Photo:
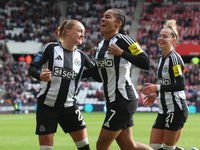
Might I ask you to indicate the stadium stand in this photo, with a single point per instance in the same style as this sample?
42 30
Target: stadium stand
33 20
153 16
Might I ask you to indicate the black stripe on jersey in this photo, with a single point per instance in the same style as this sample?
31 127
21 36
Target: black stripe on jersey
171 73
116 61
77 79
103 70
61 98
104 74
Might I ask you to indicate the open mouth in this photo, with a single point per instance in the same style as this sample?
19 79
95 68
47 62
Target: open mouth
160 42
103 25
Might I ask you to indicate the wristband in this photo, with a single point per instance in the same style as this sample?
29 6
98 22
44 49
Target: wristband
158 87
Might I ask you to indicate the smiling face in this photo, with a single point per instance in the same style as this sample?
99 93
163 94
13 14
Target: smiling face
76 33
109 24
166 40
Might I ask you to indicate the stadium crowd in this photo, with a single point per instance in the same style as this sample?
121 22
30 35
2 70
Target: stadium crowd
186 13
29 20
37 20
155 13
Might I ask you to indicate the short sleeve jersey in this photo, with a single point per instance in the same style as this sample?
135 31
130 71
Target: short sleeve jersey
67 68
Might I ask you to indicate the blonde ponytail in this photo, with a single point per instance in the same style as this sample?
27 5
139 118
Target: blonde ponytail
171 24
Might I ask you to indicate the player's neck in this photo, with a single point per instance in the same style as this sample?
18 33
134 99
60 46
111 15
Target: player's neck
68 46
109 35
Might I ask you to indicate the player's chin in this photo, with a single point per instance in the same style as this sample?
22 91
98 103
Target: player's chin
79 42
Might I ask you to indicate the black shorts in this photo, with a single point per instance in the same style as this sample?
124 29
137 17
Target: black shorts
119 114
171 121
48 118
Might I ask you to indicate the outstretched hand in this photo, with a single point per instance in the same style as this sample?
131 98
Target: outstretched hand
149 89
149 99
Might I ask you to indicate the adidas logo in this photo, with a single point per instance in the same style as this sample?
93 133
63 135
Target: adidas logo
58 58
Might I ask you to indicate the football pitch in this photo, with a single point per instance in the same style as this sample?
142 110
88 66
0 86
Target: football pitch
17 131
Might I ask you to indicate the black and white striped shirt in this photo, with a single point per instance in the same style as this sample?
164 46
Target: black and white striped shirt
171 78
67 68
115 70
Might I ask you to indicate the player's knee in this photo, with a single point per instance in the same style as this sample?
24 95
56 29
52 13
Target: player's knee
100 145
46 147
83 144
156 146
167 147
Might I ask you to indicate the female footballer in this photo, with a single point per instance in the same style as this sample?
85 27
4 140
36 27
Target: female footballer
62 66
173 110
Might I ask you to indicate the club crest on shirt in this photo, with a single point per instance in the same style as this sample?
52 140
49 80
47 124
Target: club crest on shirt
77 61
165 69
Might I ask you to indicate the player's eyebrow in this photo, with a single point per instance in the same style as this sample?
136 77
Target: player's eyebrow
107 15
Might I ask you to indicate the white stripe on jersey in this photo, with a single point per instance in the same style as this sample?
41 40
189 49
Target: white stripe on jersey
55 81
72 90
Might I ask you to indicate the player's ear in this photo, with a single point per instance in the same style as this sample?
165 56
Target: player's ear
119 24
67 31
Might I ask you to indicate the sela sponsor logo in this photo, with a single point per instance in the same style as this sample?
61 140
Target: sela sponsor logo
103 63
66 74
163 81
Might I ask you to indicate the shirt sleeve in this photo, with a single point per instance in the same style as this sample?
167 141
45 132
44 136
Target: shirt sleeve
40 58
92 73
176 70
34 72
91 70
134 54
88 63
